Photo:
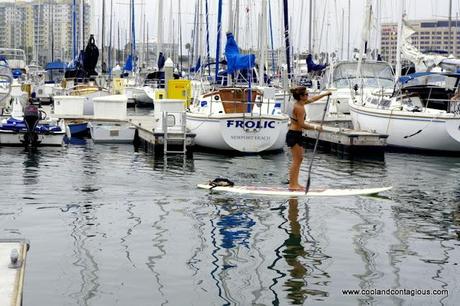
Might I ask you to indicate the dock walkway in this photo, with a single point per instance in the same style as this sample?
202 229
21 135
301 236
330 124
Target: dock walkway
338 136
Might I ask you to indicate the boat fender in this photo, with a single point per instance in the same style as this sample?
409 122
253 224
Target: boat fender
222 182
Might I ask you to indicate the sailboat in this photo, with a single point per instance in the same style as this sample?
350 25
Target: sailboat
237 118
419 114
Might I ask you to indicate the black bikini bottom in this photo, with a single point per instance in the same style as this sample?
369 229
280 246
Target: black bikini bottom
293 138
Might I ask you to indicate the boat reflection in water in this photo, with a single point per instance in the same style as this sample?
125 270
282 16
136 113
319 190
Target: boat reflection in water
244 250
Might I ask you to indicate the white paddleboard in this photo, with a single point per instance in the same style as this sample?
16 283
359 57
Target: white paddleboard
284 191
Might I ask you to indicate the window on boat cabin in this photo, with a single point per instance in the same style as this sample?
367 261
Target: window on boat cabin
412 102
375 74
385 103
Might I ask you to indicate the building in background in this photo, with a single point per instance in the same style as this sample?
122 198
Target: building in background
430 35
43 28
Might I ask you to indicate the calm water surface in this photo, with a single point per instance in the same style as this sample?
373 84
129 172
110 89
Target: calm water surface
111 226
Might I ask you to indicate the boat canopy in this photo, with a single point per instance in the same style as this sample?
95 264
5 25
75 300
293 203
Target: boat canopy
56 65
312 66
449 80
373 74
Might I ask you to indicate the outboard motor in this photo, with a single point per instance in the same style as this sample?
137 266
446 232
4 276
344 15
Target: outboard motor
31 118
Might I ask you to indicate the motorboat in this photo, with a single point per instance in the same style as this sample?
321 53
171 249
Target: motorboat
30 127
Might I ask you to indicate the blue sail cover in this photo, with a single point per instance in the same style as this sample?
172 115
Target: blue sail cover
197 66
312 66
128 64
235 61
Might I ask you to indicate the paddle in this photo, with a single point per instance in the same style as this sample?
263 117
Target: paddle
307 187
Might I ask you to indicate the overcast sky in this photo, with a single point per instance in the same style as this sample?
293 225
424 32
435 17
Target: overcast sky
328 15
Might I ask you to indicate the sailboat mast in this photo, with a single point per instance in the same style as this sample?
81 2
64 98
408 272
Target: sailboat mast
103 33
147 45
286 37
399 43
160 28
230 16
81 35
74 29
349 32
37 46
51 16
110 37
133 38
236 26
180 36
271 36
451 49
200 32
342 34
208 52
219 28
310 27
119 45
263 44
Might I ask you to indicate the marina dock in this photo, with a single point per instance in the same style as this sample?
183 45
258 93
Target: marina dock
148 135
337 136
13 253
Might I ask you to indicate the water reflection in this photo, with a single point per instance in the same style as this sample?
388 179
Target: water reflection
366 232
303 255
159 240
82 228
31 168
230 235
293 251
84 224
176 163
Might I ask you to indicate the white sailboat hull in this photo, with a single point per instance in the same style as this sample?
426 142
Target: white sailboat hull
240 132
413 130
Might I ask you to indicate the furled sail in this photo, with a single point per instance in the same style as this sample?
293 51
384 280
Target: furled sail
422 62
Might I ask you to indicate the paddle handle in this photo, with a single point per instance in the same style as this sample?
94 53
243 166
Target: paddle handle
307 186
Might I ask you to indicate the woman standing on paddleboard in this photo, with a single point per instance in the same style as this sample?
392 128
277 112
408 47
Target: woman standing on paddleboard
294 138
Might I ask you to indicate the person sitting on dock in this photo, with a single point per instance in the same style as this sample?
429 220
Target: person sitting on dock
294 137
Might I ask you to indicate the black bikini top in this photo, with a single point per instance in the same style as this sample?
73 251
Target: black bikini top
304 117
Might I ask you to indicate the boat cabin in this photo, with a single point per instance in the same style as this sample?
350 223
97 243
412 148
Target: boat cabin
235 100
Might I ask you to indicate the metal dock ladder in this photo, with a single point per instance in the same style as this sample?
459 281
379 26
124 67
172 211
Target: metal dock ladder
176 134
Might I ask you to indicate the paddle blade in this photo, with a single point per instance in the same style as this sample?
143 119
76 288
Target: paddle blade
307 187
